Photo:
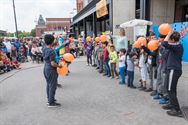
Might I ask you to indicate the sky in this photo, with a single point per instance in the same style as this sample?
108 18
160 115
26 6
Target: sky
28 11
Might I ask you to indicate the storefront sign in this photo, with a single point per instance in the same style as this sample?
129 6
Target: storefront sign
101 8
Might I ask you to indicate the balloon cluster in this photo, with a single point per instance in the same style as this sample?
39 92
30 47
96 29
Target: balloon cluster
68 57
102 38
152 45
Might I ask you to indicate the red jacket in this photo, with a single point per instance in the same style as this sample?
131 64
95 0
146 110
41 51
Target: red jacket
105 54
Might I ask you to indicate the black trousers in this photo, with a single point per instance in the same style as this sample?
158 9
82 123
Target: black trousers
172 81
89 60
51 77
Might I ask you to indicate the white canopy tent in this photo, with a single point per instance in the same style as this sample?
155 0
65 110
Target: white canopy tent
136 22
139 25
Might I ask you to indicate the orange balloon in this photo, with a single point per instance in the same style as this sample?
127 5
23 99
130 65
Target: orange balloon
142 41
136 44
62 71
97 39
88 39
153 45
164 29
103 38
68 57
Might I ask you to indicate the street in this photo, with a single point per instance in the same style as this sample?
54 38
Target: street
87 98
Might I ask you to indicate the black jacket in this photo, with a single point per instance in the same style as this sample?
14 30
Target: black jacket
174 56
152 55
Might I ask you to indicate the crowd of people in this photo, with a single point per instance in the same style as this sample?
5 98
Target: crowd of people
159 69
15 51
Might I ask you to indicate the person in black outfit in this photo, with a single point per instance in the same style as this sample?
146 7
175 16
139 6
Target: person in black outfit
174 71
50 72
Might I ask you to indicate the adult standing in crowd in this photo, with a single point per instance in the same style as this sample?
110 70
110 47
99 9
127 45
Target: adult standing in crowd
122 42
8 45
17 44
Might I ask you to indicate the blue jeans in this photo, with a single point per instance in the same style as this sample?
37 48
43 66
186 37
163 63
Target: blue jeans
107 68
130 75
122 74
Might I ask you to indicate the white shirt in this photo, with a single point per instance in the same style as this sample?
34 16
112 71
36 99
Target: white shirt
142 61
8 46
122 61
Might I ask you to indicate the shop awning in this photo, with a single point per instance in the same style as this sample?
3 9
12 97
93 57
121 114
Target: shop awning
85 15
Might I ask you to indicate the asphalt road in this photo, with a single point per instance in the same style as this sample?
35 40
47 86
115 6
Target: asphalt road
87 98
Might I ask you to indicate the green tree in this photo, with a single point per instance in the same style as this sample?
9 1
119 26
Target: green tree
32 33
10 34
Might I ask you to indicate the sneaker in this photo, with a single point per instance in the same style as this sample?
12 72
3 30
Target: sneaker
48 102
163 101
143 89
174 112
148 90
121 83
167 107
153 93
132 87
97 68
59 85
117 77
156 97
104 74
112 77
141 86
100 71
54 105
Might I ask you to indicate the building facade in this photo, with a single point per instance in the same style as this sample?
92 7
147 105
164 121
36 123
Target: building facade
120 11
52 25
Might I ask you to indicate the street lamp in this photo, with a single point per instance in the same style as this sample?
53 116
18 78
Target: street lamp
15 18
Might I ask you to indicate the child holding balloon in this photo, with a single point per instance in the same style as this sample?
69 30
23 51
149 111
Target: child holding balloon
174 71
50 72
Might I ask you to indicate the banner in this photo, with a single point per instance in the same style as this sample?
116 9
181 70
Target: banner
182 28
101 8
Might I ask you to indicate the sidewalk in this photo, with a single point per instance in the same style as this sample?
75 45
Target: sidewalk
23 66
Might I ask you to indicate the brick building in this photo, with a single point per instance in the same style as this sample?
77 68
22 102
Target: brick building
52 25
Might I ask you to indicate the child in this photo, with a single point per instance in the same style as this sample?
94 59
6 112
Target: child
100 58
174 71
113 59
50 72
122 65
130 69
89 53
143 69
105 55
